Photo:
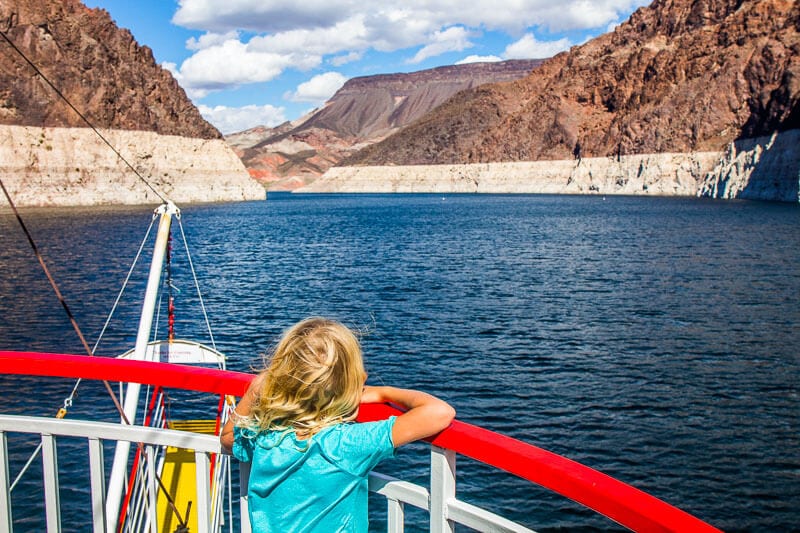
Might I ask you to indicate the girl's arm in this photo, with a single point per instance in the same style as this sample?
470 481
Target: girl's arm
243 409
426 415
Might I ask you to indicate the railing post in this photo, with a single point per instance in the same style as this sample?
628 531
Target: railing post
98 484
52 500
202 473
149 455
5 493
443 488
395 516
244 510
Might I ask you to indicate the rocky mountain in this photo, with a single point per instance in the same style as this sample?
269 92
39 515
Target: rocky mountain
363 111
99 67
678 76
48 154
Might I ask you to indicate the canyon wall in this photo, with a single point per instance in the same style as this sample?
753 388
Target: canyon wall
73 166
365 110
761 168
654 174
679 76
48 154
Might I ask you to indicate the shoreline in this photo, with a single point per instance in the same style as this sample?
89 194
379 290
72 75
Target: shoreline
72 167
764 168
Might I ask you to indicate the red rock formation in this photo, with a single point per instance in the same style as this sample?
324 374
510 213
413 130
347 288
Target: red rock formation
678 76
99 67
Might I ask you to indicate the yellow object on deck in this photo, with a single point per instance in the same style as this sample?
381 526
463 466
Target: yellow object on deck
178 477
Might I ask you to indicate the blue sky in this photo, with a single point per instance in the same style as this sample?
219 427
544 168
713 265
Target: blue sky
246 63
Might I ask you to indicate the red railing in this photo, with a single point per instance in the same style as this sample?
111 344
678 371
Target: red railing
614 499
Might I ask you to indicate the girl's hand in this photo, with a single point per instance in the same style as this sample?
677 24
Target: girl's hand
242 409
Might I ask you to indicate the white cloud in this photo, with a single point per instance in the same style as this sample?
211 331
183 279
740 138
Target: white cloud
452 39
260 16
529 48
234 119
351 57
509 15
346 35
318 89
211 39
479 59
233 63
252 41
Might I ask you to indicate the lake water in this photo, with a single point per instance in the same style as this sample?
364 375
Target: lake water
654 339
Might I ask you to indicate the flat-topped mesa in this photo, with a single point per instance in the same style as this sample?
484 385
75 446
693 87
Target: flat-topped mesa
362 112
51 156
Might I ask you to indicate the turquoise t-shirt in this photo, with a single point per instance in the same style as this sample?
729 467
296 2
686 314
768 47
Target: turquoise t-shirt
314 485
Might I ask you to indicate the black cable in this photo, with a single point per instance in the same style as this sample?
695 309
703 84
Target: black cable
61 299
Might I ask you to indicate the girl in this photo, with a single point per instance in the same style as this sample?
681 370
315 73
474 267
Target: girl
309 463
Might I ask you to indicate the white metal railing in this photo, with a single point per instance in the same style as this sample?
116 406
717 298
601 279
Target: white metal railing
140 509
95 433
440 501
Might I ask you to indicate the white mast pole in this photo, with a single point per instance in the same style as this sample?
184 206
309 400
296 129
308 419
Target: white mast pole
120 465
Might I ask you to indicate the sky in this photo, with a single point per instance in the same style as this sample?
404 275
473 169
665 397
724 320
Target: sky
247 63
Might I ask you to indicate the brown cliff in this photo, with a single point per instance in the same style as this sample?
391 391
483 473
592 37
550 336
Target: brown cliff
99 67
48 155
678 76
363 111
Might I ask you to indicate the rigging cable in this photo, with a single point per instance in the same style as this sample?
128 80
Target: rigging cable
63 411
60 298
170 296
197 285
83 117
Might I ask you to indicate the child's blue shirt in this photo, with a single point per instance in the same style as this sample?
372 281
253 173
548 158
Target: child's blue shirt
314 485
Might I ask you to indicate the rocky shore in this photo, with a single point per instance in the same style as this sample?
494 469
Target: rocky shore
766 168
74 167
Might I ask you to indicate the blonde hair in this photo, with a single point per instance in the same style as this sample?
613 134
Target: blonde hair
314 379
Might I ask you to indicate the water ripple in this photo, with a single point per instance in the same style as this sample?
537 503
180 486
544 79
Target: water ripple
653 339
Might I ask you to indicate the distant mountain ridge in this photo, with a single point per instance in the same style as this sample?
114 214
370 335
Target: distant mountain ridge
365 110
678 76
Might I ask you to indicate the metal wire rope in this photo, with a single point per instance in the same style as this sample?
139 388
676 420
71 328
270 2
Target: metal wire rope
69 399
90 352
196 284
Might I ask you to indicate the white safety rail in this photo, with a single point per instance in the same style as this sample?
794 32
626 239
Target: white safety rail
440 501
138 511
95 433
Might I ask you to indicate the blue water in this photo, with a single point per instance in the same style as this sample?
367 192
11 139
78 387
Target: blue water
653 339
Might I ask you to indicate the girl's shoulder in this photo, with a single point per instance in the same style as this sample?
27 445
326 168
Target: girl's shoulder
356 447
357 434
